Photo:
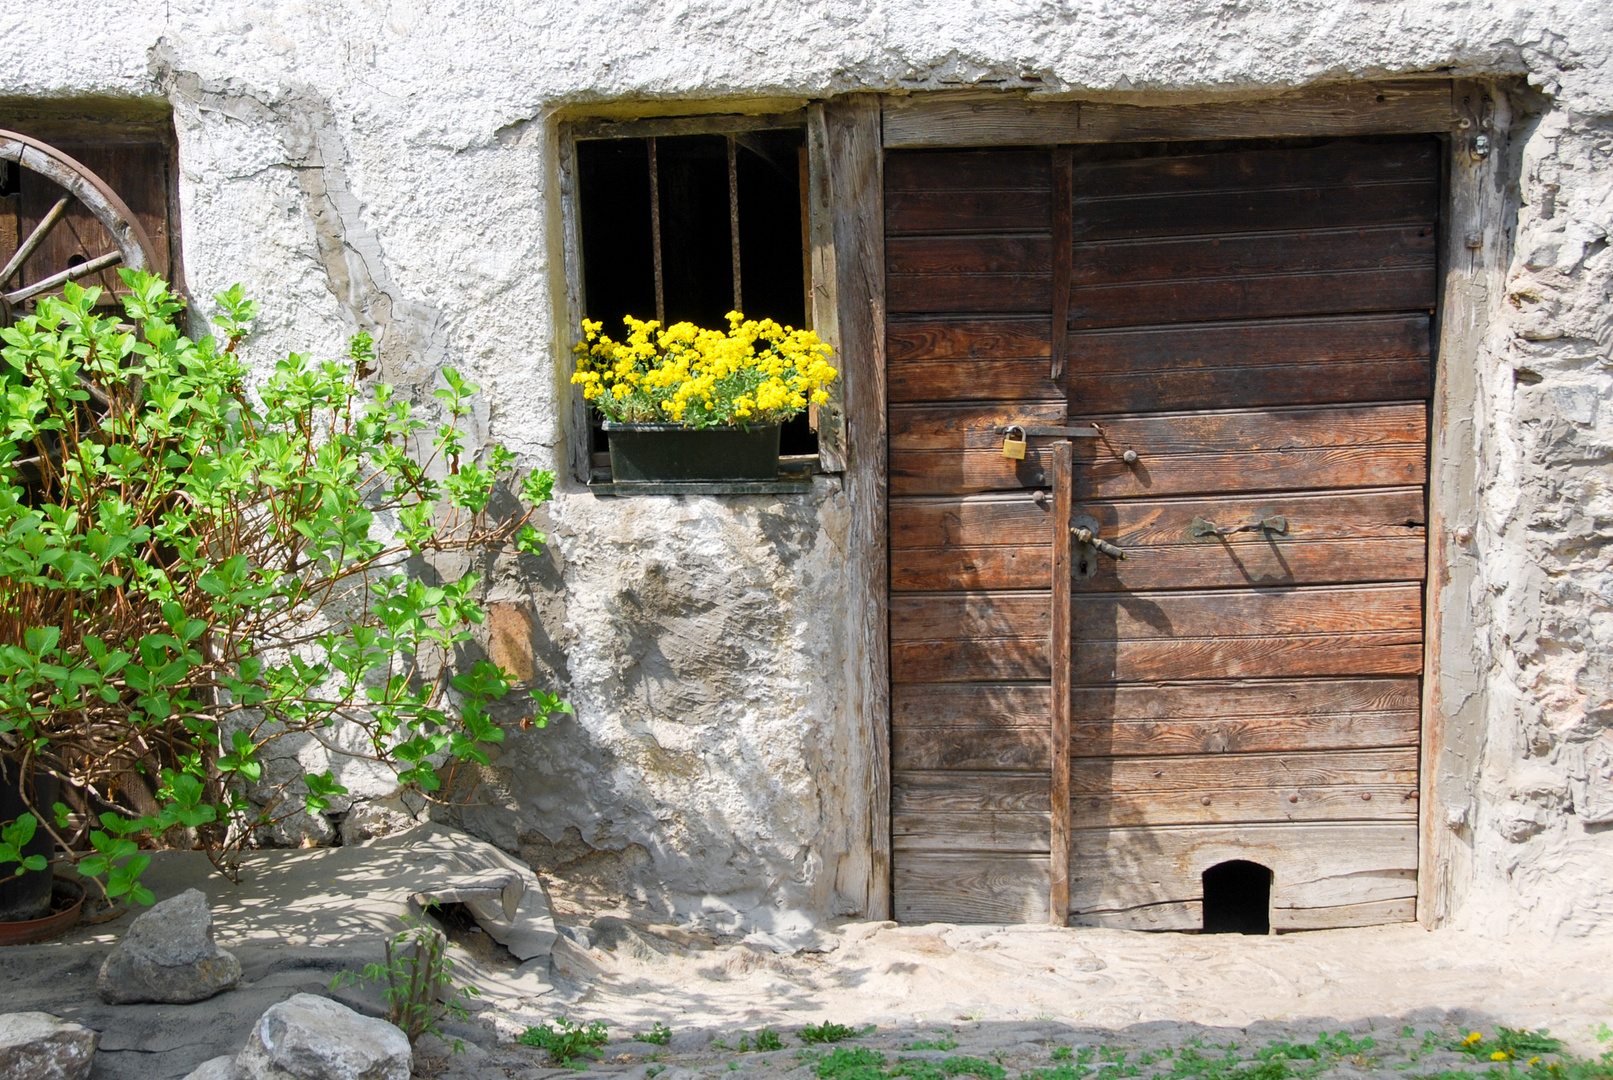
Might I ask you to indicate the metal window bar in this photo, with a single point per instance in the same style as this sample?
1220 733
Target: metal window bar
733 217
655 233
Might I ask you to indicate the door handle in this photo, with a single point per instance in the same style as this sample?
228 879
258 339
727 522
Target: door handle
1274 523
1084 535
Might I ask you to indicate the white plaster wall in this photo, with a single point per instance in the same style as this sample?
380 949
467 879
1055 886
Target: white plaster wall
384 164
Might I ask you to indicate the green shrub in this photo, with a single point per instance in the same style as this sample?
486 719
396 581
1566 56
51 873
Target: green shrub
566 1041
195 565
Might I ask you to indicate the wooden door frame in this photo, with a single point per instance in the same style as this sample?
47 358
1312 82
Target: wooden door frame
847 138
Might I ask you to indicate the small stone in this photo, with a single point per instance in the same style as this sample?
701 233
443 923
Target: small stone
168 955
307 1037
219 1068
39 1046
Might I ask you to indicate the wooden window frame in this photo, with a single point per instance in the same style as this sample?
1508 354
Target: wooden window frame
829 428
847 137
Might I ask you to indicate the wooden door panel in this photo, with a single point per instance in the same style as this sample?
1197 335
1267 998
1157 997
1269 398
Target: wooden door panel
1226 716
1254 323
1118 873
963 886
1312 361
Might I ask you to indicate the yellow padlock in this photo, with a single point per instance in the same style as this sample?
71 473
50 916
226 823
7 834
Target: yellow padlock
1014 444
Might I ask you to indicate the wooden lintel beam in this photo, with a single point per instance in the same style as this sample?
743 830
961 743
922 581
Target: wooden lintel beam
1005 119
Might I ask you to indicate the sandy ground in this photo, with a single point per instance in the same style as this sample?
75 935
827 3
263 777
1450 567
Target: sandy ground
1017 994
914 976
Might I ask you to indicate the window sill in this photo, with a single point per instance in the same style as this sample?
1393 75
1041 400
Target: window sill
794 477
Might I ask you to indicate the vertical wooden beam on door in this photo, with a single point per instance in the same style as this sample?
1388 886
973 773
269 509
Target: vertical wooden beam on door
856 185
568 305
1063 255
1473 259
1059 651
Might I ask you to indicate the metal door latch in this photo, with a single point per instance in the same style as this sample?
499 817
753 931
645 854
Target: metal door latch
1275 523
1088 546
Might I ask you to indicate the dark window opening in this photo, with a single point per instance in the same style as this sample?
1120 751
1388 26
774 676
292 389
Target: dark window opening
1237 898
667 221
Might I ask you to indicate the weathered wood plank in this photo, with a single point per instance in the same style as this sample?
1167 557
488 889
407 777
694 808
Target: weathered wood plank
1238 450
1226 716
1063 269
1456 725
855 178
1185 170
1215 806
1282 362
971 380
975 293
1336 785
954 427
990 542
1357 108
991 170
1255 296
933 886
1375 913
947 472
1167 616
961 792
982 707
1314 865
1248 633
1059 648
969 637
929 339
1400 202
959 747
940 255
1186 258
1021 833
1394 767
953 211
708 124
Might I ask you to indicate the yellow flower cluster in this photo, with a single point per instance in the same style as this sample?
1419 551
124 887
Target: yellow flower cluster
757 372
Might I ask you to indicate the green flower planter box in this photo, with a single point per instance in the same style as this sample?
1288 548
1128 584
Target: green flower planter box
672 452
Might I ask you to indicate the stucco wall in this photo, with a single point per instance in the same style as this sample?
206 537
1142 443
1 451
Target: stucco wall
388 166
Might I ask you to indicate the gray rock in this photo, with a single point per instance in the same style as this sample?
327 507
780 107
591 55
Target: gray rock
308 1037
168 955
38 1046
219 1068
622 938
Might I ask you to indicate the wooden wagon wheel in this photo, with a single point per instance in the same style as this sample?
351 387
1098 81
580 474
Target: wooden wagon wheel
131 246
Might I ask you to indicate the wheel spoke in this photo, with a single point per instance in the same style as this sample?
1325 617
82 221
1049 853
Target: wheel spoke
46 223
72 273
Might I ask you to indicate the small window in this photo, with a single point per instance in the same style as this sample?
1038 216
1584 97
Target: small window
134 159
689 227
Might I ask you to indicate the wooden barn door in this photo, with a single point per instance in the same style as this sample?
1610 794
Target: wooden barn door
1248 346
